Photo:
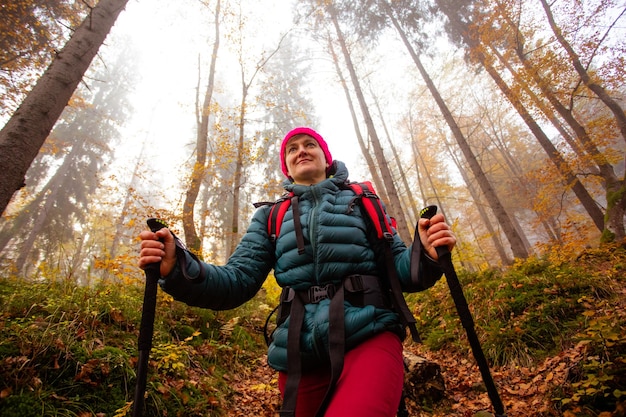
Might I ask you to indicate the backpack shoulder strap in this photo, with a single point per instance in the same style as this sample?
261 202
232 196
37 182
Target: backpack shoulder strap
374 208
277 213
372 205
364 191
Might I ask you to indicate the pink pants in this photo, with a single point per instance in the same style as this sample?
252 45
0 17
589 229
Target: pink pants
369 386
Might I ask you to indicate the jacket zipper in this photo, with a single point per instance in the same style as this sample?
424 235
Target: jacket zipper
313 225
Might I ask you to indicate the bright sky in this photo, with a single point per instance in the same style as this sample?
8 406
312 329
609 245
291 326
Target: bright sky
169 36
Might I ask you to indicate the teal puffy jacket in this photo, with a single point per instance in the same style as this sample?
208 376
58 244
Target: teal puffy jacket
336 245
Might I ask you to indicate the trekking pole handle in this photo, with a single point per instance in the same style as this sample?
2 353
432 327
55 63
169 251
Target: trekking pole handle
155 225
427 213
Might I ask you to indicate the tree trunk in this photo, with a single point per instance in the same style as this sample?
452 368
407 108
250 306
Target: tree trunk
25 132
429 178
492 232
119 224
26 247
614 215
380 189
536 100
239 165
192 238
417 156
51 192
238 168
395 208
423 380
410 201
555 156
593 85
515 240
518 173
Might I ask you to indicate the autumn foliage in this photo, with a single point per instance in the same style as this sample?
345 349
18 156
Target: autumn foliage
508 115
553 328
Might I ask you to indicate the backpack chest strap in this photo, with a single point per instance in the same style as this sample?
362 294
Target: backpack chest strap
360 290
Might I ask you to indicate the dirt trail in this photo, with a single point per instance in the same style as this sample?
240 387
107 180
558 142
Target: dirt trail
523 391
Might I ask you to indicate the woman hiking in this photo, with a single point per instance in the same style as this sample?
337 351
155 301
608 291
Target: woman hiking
338 343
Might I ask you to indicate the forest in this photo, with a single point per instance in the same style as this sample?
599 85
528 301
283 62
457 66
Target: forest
506 114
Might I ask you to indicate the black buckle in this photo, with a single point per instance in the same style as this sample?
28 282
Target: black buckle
370 194
354 283
287 294
318 293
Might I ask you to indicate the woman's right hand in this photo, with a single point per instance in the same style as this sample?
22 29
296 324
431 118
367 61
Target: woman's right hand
158 246
435 232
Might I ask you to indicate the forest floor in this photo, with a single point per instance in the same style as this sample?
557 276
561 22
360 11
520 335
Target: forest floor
559 328
523 391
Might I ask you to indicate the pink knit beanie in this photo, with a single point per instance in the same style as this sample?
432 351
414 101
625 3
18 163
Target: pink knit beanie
303 131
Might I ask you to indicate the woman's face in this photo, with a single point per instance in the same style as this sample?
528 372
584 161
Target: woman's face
305 160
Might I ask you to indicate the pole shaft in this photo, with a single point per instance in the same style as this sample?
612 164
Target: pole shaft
146 328
460 302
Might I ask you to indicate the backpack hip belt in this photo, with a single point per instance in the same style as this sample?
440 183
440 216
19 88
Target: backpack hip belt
360 290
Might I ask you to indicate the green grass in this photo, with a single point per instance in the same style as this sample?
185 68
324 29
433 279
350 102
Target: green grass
67 351
70 351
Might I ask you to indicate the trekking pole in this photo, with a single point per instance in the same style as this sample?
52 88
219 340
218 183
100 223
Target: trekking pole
146 329
445 262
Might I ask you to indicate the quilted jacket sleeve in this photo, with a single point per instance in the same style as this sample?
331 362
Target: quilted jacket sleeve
228 286
414 278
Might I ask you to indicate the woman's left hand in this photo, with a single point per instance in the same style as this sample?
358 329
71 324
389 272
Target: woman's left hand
435 232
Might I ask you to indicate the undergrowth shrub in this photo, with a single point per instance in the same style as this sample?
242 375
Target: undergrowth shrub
68 350
538 308
601 378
